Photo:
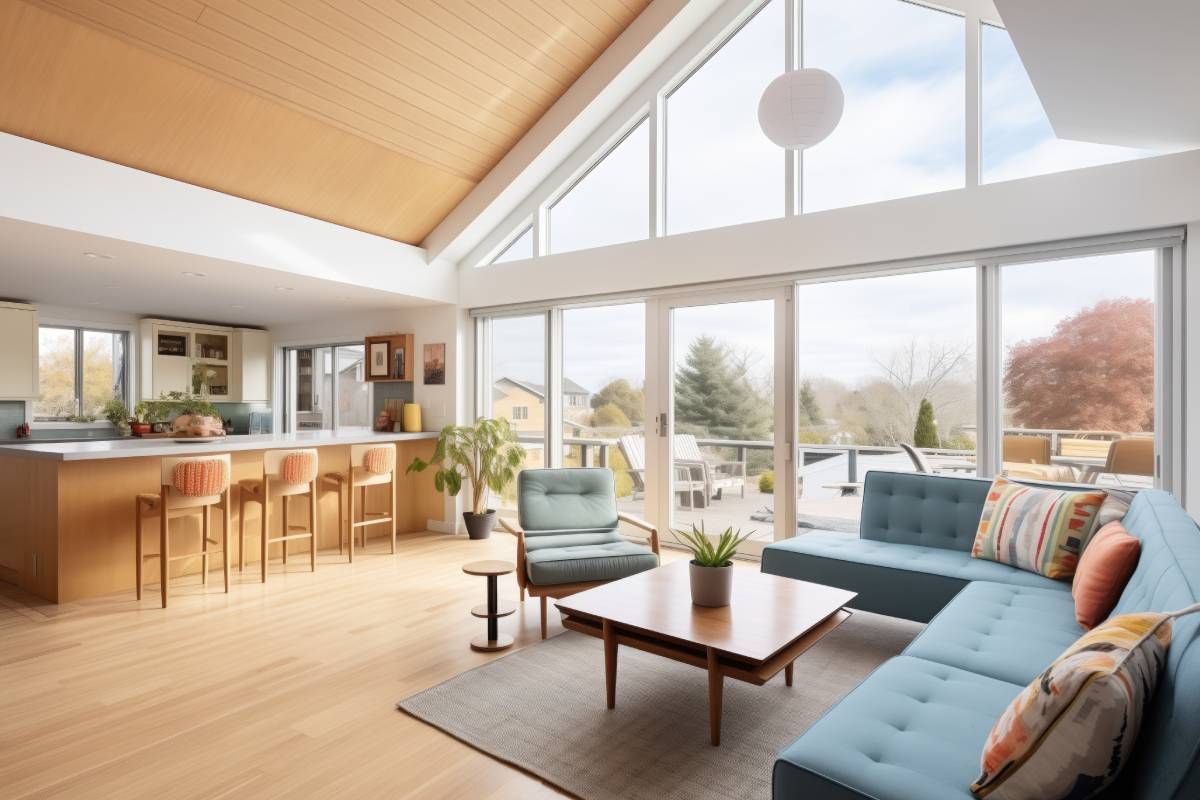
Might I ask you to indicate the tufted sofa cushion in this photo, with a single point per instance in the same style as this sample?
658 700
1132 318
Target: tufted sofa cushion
912 731
1002 631
902 580
929 510
557 500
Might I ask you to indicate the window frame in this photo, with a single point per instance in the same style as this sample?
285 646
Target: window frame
544 234
79 329
285 416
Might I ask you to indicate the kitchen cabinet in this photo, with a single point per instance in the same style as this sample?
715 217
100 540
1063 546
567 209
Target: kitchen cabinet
18 351
226 364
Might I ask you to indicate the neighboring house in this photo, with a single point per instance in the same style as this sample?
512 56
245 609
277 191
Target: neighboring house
523 403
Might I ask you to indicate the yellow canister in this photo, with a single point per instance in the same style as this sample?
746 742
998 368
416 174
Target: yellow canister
412 417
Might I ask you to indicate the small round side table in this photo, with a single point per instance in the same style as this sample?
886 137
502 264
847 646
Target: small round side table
493 609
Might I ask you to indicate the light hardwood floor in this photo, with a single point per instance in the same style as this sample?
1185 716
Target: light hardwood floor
282 690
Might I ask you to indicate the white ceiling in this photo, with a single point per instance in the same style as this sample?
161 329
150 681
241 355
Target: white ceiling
1113 71
47 266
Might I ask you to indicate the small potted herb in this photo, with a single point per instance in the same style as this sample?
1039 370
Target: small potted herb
711 567
116 412
486 454
140 425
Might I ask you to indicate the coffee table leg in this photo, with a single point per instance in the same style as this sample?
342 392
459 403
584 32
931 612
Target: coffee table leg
787 673
716 686
610 663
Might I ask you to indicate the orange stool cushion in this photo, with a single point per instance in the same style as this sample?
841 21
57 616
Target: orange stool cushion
1104 568
379 460
200 478
298 468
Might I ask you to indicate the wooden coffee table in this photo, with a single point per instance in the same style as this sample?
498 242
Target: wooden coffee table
770 621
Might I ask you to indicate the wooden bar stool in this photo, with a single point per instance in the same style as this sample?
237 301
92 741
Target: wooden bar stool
370 465
286 474
187 484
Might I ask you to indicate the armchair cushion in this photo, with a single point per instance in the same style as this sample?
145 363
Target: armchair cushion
558 500
588 561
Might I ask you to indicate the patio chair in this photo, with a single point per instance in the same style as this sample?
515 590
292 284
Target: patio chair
923 465
690 483
568 535
718 475
1030 457
1134 456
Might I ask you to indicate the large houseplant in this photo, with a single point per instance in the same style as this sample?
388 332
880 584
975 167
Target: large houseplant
486 455
711 568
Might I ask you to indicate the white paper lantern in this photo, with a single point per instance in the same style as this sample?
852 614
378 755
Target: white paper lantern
800 108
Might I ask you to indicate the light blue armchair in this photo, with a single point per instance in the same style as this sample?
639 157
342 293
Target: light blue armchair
567 532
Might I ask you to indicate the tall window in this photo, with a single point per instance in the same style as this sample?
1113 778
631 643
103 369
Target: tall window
882 362
1017 138
902 68
326 388
519 248
610 203
80 370
720 168
518 386
1079 369
604 407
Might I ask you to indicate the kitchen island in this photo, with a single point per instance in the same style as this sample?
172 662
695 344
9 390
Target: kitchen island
67 508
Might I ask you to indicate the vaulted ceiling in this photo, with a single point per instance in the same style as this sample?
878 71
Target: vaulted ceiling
379 115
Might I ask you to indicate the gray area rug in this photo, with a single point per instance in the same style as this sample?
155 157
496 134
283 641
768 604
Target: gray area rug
542 709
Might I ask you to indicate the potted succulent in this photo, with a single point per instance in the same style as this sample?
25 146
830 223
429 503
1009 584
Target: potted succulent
711 567
487 454
116 412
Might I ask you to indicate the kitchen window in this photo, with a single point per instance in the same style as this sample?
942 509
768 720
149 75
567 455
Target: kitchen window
79 371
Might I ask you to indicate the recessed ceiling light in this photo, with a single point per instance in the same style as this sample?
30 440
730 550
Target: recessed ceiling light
96 255
194 274
285 288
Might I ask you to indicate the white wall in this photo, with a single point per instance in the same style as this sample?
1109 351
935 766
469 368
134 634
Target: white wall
50 186
440 405
1115 198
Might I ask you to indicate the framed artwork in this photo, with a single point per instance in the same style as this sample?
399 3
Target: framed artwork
379 360
435 364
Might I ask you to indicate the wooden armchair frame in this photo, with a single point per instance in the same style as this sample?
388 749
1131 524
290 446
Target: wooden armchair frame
559 590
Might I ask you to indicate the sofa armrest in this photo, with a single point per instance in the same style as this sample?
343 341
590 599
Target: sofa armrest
516 530
638 522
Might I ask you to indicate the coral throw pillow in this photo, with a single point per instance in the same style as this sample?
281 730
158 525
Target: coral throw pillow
1069 732
298 468
200 478
1036 529
1104 569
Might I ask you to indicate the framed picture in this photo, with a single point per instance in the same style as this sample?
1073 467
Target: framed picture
379 360
435 364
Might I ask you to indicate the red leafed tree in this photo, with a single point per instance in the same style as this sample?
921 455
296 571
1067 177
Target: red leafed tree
1096 371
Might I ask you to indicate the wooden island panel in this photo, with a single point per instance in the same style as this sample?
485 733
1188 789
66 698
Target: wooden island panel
67 527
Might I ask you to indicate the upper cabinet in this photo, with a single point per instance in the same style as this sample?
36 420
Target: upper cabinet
18 351
227 364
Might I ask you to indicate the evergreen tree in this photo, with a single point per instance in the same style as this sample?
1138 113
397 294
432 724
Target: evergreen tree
714 396
810 411
925 433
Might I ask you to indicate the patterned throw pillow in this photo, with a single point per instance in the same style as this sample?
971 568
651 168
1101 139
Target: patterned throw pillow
1070 731
200 478
1036 529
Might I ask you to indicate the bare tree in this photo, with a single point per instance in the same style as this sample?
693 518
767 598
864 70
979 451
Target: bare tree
917 370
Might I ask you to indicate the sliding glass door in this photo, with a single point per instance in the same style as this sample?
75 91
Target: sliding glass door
724 445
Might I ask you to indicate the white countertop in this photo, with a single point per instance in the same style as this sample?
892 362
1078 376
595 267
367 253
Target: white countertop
139 448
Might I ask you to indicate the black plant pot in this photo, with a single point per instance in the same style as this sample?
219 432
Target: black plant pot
479 526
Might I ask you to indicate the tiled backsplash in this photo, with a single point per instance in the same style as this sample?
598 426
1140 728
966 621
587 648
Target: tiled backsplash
12 414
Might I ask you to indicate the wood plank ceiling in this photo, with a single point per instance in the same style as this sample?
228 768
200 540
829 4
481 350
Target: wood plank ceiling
379 115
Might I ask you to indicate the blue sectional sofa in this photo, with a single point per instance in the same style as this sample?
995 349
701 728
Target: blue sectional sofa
914 729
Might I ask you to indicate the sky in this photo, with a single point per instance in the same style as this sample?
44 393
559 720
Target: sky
901 67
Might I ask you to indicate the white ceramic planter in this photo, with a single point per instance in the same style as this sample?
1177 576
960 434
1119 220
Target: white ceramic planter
711 586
